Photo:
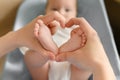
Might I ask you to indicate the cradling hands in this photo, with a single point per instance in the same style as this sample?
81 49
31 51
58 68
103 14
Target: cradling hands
35 31
91 54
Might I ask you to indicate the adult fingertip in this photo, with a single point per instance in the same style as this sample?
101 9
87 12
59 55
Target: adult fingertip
62 24
68 24
51 56
60 58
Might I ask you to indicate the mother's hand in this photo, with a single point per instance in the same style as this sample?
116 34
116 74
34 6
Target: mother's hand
25 36
91 54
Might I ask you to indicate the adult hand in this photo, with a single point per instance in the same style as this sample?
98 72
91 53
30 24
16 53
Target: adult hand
55 22
25 36
91 54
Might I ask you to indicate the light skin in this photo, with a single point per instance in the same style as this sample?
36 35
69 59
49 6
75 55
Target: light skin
15 39
42 32
101 68
33 61
92 56
68 10
39 59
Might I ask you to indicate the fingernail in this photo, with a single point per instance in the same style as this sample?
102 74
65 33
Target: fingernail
52 57
58 59
63 25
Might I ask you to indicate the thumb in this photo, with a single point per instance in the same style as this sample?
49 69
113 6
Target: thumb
63 56
36 46
53 27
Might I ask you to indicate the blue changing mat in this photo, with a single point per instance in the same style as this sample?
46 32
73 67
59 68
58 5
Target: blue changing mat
92 10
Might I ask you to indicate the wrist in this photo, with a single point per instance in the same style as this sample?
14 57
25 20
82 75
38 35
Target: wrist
7 43
13 38
103 71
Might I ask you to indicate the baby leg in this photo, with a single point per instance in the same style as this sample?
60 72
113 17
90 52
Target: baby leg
77 40
43 34
36 65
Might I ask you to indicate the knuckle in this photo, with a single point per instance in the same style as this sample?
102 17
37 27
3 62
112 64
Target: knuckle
94 33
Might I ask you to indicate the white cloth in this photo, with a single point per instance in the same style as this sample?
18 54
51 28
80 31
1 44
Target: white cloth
62 36
58 70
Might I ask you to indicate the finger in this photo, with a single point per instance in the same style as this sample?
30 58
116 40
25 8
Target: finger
36 46
53 16
63 56
53 26
36 29
84 25
40 22
51 56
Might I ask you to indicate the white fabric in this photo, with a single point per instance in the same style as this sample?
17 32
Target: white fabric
62 36
23 50
59 71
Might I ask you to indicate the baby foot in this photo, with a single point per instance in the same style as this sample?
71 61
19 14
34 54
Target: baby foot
43 34
77 40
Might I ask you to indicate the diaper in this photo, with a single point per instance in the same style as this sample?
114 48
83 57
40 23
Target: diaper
59 71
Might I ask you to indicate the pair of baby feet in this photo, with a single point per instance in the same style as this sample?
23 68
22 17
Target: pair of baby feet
42 32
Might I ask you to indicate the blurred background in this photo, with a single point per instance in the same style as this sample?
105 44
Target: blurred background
8 10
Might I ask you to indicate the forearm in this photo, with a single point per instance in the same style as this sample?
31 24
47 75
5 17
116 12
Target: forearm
7 43
104 72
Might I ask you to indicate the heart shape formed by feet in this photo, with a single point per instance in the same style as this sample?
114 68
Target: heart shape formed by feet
42 32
